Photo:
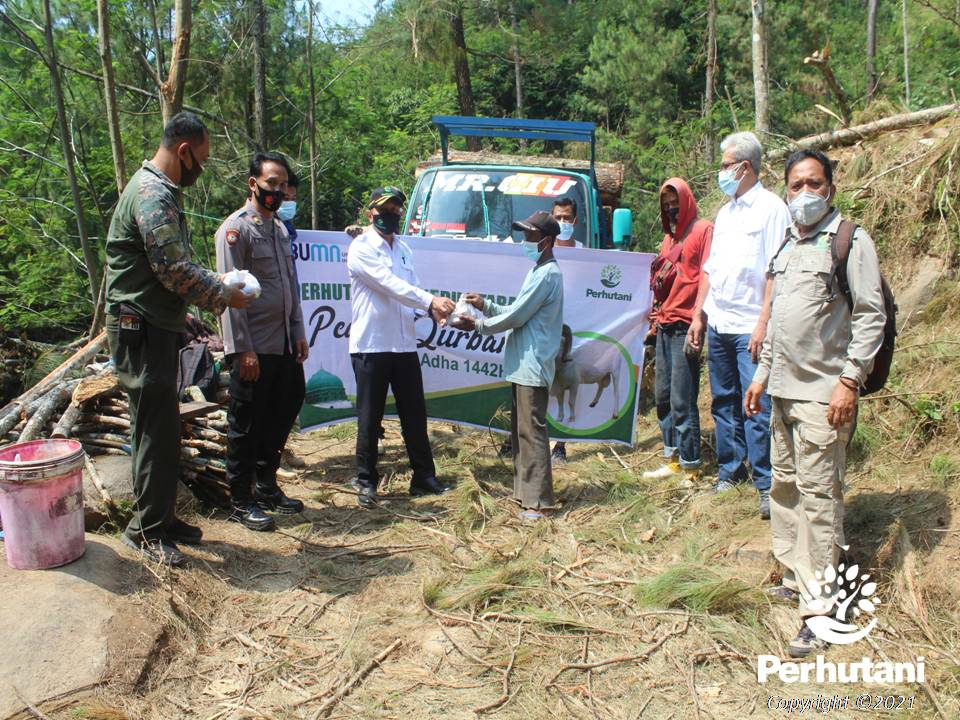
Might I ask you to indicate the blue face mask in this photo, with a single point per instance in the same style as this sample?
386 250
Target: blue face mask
287 209
531 250
727 180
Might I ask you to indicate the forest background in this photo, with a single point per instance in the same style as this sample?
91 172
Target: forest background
351 104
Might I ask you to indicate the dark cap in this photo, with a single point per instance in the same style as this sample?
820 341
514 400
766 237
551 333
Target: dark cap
384 194
542 221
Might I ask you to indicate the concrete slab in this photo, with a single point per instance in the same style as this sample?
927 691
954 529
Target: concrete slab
67 629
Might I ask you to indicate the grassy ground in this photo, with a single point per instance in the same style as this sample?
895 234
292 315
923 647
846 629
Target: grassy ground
637 600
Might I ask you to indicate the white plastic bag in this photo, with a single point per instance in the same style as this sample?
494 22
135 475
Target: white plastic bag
251 286
463 310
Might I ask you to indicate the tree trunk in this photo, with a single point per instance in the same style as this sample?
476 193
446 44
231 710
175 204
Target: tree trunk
871 49
110 94
172 89
64 426
259 76
311 118
89 258
821 60
852 135
52 402
414 41
761 78
711 71
78 359
906 57
158 59
517 73
461 71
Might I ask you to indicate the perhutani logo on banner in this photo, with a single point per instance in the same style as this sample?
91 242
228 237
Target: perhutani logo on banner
610 277
839 587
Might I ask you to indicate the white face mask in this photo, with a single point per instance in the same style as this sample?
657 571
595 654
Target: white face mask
566 231
808 208
531 250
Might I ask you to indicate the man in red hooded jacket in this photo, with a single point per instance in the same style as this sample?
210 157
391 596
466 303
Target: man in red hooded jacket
675 278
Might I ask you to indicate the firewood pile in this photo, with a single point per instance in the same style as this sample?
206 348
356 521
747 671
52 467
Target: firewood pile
82 399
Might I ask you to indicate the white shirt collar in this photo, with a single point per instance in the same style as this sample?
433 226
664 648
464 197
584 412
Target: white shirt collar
750 196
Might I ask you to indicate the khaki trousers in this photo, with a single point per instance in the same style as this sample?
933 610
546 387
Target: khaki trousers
532 474
808 458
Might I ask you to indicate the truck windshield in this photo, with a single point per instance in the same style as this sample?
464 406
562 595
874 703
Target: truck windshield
482 205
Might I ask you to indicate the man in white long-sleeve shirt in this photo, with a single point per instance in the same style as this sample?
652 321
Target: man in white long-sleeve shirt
383 343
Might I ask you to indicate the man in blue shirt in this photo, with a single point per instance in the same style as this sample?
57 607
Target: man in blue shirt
535 323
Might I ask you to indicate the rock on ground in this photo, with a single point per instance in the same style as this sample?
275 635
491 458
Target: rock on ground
67 629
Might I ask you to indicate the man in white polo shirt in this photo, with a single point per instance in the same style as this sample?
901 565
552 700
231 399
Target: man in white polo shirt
733 306
383 343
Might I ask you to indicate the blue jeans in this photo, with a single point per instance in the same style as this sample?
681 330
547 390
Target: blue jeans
739 438
677 387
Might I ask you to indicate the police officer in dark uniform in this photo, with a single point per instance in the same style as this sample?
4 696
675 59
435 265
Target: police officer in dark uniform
266 344
150 282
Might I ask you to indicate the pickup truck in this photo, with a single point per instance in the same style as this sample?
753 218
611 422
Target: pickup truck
478 195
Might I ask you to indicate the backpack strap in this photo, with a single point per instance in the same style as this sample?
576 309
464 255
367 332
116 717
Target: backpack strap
786 241
840 252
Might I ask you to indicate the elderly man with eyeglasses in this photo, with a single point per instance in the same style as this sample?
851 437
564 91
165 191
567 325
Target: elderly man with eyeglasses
733 307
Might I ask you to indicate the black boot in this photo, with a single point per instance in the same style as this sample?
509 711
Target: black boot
181 532
249 514
559 455
429 486
367 496
276 501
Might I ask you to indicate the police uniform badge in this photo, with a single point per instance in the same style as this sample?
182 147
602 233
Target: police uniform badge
232 237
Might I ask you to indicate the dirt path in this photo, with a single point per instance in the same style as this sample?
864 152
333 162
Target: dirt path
453 608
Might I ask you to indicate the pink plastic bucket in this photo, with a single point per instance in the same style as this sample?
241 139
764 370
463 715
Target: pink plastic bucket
41 503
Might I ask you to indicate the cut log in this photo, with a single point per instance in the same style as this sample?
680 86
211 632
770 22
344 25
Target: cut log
66 422
84 355
52 402
98 483
853 135
14 419
96 386
105 420
203 445
203 433
609 175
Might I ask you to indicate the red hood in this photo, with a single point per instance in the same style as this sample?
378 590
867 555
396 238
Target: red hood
688 207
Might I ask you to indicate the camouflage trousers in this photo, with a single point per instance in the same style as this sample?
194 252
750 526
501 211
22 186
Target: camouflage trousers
148 374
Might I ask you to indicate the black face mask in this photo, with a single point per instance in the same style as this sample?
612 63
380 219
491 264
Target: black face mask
387 223
269 199
672 214
188 176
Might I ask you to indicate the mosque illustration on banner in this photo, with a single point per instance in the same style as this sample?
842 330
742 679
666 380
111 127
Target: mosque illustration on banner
326 391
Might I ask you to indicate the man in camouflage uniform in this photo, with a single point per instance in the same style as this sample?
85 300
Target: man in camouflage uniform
266 345
150 282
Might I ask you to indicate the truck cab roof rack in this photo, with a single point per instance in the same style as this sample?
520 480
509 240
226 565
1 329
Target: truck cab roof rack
516 128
